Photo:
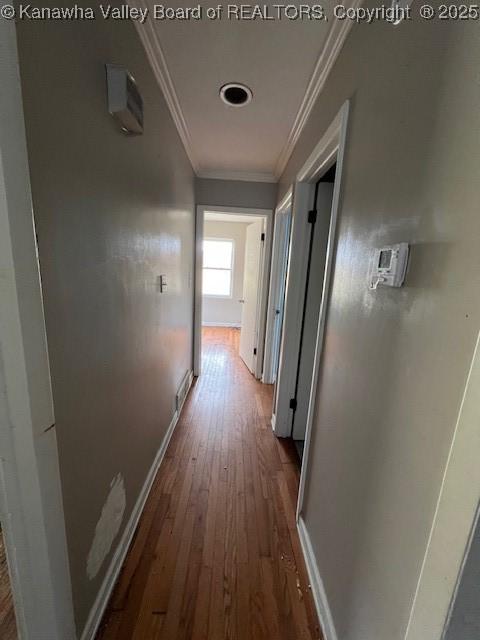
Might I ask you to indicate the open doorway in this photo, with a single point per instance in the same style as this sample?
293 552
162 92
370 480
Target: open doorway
303 293
233 248
319 219
315 203
232 271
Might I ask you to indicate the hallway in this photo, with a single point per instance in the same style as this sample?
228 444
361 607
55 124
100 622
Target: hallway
216 554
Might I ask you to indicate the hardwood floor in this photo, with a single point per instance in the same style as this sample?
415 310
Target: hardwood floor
8 627
216 555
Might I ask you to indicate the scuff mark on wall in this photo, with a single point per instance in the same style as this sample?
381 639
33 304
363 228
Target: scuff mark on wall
107 527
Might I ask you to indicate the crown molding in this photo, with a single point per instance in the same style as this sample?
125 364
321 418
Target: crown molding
237 175
333 45
156 57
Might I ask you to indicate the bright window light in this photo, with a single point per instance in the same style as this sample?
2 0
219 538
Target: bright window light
217 267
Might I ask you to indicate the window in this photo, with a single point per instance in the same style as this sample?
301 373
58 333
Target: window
217 267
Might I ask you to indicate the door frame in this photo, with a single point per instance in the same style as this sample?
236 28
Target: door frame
251 235
276 289
329 149
31 507
323 203
267 214
456 515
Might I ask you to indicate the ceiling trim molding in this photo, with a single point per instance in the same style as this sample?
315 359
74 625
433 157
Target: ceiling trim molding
237 175
158 63
333 45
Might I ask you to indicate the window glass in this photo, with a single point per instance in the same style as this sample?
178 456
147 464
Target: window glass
217 267
217 254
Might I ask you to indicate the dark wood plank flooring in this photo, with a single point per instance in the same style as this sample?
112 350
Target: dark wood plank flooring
216 555
8 628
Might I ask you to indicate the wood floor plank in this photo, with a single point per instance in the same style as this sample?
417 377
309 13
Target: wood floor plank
8 626
216 555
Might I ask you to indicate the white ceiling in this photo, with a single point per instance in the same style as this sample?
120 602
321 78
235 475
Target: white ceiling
284 62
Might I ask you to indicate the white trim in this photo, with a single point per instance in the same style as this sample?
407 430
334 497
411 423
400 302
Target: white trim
316 583
235 85
219 296
338 132
243 176
458 582
333 45
331 145
276 292
233 325
273 422
286 201
455 516
267 214
323 155
105 591
329 54
247 211
31 507
265 265
156 57
303 195
320 160
197 296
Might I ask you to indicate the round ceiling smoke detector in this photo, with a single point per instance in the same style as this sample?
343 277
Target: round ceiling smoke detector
235 95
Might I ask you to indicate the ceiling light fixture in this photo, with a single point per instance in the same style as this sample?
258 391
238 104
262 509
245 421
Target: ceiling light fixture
235 94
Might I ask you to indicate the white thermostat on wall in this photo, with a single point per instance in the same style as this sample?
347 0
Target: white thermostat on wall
390 265
124 100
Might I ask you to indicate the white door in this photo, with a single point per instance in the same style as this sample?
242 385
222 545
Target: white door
251 278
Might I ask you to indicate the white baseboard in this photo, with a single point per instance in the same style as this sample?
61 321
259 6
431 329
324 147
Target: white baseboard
273 420
316 583
235 325
101 601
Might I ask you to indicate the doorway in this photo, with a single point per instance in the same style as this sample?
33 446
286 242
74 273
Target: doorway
319 220
306 262
232 271
315 206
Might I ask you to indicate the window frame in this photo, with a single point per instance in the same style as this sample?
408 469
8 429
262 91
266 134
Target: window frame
219 296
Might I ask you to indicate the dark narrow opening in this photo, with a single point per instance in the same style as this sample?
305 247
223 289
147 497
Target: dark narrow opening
236 95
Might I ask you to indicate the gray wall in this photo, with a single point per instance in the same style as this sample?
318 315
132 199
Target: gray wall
395 361
112 213
227 310
235 193
465 620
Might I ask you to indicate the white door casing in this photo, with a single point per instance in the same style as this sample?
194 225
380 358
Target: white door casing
267 215
321 228
276 296
454 522
292 321
328 150
31 506
251 286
